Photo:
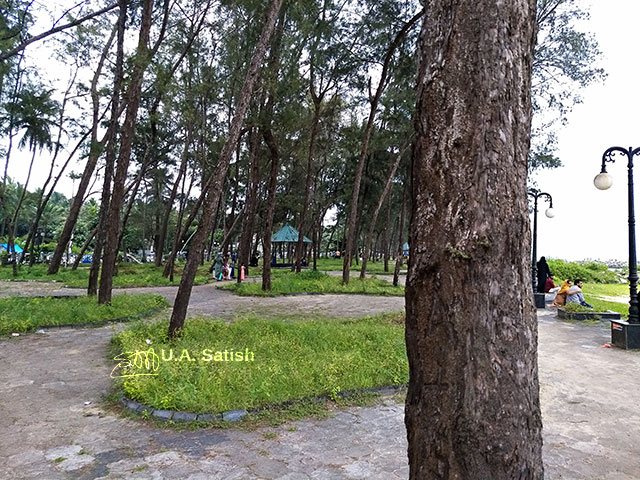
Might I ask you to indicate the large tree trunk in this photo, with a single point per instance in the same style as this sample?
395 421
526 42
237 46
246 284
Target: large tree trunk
211 192
472 408
353 205
142 59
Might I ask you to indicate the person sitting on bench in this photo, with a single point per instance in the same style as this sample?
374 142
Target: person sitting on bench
574 295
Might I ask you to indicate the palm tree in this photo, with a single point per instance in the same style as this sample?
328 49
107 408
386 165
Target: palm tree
35 113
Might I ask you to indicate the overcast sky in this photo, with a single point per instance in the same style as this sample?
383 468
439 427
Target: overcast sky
589 223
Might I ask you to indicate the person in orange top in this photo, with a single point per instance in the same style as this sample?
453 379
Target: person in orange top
561 296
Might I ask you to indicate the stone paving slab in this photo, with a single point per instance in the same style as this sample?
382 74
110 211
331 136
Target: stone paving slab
588 395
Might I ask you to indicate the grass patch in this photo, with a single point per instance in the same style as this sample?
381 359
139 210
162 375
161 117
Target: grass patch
129 275
291 360
314 282
327 264
603 306
607 290
22 314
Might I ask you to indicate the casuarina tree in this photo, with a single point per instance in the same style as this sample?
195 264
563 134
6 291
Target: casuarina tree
472 408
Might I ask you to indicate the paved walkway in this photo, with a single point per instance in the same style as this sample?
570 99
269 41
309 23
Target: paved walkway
588 393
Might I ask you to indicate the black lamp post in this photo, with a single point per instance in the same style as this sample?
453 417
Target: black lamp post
625 334
536 194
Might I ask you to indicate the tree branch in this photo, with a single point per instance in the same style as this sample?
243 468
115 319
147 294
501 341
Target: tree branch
23 45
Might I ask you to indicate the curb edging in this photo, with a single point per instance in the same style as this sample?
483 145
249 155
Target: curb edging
237 415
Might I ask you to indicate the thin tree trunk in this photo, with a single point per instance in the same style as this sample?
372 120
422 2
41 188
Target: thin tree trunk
251 201
92 287
126 141
273 66
374 218
172 197
400 252
39 208
16 214
94 152
211 192
385 239
353 210
317 101
87 242
271 206
472 407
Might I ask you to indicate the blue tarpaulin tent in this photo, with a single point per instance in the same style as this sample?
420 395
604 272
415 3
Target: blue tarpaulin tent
16 248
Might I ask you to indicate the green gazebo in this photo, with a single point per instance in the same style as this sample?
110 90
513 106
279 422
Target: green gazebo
285 241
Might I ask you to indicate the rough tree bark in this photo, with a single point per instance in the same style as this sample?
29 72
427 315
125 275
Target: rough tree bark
472 408
211 192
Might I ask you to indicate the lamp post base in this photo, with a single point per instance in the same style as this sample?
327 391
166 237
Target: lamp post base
538 300
625 335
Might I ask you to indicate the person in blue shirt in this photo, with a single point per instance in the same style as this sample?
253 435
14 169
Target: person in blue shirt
574 295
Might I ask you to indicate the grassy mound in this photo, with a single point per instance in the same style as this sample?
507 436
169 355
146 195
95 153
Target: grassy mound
267 361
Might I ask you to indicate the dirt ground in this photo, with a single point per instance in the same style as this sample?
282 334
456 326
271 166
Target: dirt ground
55 426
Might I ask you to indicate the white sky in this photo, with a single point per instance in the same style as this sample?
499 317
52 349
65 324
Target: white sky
589 223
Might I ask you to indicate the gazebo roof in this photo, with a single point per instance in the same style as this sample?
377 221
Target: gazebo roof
287 234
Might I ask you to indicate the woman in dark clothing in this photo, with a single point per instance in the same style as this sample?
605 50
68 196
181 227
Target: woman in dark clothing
543 274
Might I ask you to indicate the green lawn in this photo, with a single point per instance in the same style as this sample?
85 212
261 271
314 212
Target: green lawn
274 361
326 264
309 281
22 314
609 290
593 291
129 275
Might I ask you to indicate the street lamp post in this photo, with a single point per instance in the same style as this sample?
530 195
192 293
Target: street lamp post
536 194
625 334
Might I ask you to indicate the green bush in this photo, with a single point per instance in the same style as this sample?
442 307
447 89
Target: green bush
589 272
